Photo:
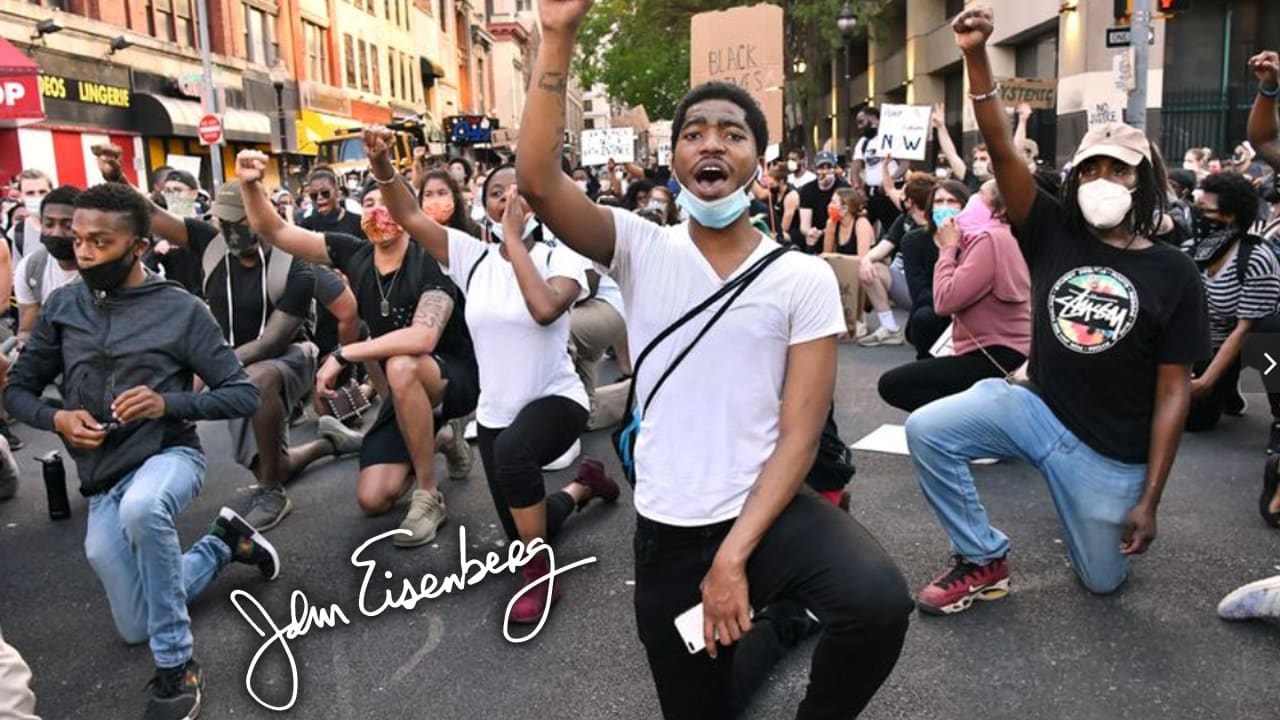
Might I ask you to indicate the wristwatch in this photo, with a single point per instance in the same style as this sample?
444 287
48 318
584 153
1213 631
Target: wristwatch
342 360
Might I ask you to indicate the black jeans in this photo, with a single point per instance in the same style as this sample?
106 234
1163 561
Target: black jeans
814 555
513 458
914 385
924 327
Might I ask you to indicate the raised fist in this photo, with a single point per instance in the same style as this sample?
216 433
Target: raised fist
562 15
251 165
972 28
377 142
1266 67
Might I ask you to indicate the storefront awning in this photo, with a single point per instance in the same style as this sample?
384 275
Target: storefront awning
20 100
315 126
158 115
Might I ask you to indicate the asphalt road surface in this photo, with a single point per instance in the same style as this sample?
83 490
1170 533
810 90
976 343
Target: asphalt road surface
1050 650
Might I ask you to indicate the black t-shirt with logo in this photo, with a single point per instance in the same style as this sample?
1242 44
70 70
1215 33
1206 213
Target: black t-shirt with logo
248 317
402 288
1102 320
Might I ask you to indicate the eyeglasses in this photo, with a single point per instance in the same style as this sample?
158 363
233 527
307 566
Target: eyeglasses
320 195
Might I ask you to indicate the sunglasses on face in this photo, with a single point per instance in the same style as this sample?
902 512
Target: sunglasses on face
320 195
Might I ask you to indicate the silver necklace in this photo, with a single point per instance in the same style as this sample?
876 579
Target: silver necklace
384 308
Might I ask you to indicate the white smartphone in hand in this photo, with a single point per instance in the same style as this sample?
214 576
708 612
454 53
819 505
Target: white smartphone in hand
689 625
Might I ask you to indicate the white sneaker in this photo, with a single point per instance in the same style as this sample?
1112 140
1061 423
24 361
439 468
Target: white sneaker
882 336
566 459
861 331
1258 600
426 515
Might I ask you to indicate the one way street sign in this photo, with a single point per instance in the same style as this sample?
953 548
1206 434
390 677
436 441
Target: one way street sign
1118 37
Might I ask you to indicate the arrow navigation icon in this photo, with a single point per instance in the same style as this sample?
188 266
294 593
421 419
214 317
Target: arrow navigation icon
1271 360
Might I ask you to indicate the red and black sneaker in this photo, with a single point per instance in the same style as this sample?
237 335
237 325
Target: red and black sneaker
954 590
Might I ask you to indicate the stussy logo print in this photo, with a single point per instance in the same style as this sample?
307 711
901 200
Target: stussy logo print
1092 308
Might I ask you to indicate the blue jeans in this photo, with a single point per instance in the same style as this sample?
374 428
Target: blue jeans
132 544
1093 493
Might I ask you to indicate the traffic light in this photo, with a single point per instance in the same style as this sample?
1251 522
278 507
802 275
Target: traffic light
1174 6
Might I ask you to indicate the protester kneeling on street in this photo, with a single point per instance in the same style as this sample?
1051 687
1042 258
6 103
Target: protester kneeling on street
1118 321
128 419
420 341
722 517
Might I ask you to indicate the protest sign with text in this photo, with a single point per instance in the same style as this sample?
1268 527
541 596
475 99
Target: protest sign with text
601 146
904 131
742 46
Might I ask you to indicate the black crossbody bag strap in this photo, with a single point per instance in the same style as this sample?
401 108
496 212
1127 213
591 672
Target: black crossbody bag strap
735 286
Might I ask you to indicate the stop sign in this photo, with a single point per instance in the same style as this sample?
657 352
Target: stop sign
210 129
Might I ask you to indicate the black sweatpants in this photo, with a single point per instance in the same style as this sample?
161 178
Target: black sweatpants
914 385
814 555
513 458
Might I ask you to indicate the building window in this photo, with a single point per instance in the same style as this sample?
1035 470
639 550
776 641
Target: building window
444 16
589 124
393 74
261 44
160 19
349 56
524 5
586 105
184 27
317 55
373 70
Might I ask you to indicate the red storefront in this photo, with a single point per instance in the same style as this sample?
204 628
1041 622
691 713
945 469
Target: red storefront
85 103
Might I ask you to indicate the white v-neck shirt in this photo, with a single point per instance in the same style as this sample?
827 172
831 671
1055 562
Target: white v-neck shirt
714 422
519 361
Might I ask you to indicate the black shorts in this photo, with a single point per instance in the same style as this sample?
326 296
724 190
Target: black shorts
383 443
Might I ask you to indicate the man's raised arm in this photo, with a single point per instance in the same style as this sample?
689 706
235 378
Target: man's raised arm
555 199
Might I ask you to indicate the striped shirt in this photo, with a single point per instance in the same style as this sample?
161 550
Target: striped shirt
1228 301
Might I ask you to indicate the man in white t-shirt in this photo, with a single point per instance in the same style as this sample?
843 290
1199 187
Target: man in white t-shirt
869 168
798 172
724 445
50 266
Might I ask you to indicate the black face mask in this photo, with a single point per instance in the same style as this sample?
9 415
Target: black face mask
60 248
870 131
240 240
107 276
1213 237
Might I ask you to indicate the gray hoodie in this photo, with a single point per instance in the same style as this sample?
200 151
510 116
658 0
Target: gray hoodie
156 334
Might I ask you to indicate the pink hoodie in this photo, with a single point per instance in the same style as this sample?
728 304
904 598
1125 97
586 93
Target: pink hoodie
984 283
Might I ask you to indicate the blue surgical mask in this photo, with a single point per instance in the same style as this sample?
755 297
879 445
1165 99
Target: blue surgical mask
716 214
942 215
529 226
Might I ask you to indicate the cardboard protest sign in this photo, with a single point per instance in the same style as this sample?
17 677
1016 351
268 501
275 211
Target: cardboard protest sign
904 131
1104 105
743 46
601 146
1039 94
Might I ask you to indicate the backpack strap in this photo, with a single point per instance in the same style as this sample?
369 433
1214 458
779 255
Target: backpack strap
37 259
278 267
1244 253
214 253
472 272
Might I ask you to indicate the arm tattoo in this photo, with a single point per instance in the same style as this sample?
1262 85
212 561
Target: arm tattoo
556 83
434 309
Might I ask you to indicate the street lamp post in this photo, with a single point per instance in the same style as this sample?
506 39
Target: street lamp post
279 74
846 21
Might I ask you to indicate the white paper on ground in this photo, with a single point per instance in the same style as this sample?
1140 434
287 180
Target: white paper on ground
891 439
